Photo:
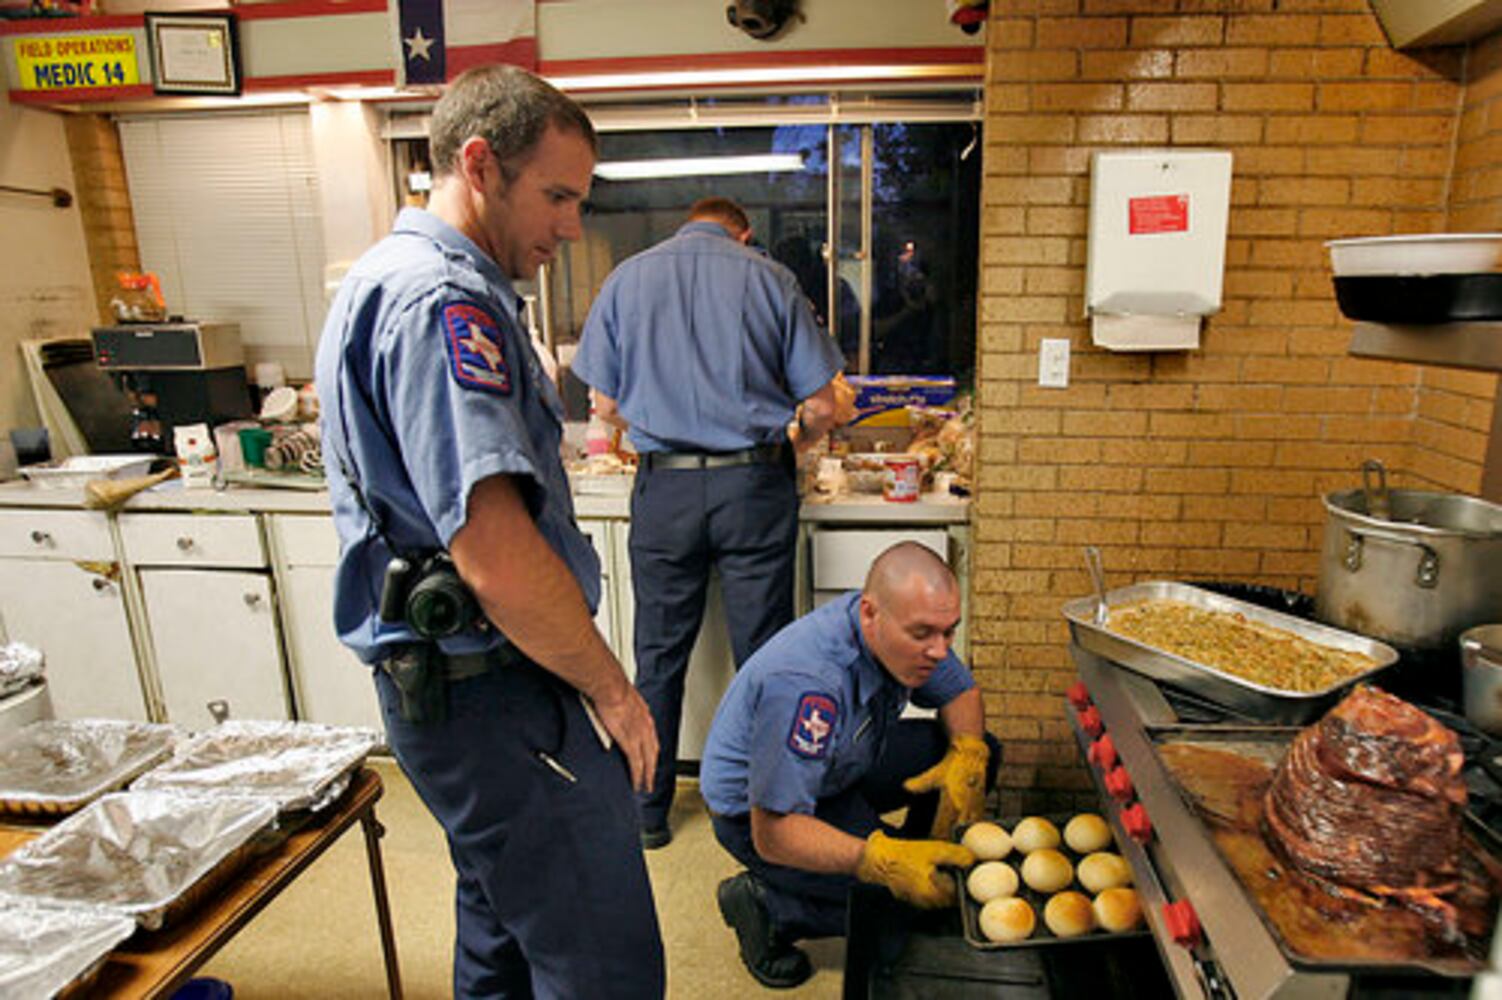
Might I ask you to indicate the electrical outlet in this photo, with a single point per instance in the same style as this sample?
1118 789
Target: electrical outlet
1053 363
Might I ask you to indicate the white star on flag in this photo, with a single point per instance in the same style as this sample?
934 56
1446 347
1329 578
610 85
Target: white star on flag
418 45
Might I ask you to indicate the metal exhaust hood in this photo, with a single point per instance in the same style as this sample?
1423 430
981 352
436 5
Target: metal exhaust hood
1421 23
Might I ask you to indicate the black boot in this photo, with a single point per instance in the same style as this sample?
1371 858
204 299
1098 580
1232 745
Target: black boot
773 963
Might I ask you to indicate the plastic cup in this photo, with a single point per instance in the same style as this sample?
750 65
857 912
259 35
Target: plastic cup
253 444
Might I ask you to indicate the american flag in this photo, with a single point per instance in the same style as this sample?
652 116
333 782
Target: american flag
439 39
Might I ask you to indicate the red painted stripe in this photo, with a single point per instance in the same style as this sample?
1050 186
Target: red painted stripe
946 56
369 78
81 95
71 25
517 52
308 8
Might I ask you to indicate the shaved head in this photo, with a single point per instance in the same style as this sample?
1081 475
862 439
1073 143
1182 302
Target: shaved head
896 571
909 611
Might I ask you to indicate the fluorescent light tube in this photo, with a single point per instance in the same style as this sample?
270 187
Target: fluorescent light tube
695 166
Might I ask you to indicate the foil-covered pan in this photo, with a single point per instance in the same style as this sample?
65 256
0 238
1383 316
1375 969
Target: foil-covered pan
1249 700
57 766
46 950
20 666
298 765
151 855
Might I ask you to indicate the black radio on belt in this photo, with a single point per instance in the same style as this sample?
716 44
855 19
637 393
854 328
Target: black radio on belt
429 596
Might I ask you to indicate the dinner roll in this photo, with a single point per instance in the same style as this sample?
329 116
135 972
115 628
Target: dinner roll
988 840
1046 870
1007 919
991 880
1034 834
1068 914
1087 833
1104 870
1118 909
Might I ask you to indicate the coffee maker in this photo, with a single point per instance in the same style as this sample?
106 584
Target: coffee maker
175 373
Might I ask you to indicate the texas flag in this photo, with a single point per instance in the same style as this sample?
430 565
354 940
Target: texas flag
439 39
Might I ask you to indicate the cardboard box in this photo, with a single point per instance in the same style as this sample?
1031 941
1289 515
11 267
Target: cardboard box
882 400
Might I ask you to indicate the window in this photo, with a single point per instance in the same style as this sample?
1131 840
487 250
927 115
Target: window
875 208
227 214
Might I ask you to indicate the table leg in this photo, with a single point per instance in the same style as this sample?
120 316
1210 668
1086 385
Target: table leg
373 833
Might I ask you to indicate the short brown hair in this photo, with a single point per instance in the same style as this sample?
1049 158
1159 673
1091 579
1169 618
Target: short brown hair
721 210
507 107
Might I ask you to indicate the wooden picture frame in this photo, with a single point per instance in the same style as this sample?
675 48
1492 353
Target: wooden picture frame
194 53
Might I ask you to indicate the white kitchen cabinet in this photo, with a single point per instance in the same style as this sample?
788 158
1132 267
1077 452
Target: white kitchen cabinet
330 683
599 531
210 614
60 592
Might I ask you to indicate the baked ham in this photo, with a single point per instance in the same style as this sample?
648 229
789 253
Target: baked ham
1370 797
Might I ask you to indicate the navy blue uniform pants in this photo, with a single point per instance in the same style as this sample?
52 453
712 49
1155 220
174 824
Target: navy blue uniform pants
552 898
741 520
806 904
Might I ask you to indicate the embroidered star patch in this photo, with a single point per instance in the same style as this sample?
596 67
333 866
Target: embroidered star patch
812 725
474 343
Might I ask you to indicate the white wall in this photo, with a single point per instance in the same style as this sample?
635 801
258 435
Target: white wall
45 286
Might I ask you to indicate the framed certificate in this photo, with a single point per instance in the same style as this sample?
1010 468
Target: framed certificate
194 53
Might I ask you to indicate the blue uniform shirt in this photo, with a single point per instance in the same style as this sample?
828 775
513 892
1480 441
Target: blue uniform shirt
704 344
429 386
805 717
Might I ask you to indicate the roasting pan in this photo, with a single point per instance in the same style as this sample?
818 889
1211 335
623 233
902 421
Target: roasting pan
1244 698
1221 773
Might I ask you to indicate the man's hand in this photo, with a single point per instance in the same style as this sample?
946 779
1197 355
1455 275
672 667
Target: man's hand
960 779
844 401
910 868
629 722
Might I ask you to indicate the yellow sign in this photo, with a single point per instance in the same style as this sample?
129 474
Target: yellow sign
65 62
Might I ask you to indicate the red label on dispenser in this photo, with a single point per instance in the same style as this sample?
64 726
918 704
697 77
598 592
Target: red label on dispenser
1165 213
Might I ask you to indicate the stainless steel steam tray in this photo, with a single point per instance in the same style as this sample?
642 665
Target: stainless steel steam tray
1242 697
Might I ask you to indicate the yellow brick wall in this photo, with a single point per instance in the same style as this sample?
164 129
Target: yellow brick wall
1208 464
103 202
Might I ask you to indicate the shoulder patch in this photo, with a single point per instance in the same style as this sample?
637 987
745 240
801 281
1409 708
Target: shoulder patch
475 348
813 723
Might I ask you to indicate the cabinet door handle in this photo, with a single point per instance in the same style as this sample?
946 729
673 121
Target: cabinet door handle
101 584
184 543
252 600
41 537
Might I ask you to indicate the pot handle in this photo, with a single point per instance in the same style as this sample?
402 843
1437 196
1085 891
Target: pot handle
1374 486
1427 574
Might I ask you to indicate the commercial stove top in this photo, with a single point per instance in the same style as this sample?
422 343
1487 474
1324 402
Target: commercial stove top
1212 938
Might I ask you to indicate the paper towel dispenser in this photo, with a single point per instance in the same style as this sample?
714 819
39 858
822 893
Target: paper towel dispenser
1157 247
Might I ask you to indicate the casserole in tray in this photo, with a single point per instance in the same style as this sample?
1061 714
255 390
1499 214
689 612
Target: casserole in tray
57 766
1245 698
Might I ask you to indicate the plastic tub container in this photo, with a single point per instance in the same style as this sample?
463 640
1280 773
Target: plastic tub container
1418 254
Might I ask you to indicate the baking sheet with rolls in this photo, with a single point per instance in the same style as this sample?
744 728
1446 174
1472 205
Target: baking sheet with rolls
1041 935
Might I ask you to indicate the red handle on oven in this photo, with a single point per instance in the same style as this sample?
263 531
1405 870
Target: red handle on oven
1182 922
1091 723
1102 752
1119 783
1078 695
1136 823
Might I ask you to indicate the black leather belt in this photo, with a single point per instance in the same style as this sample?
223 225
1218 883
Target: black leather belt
762 454
463 666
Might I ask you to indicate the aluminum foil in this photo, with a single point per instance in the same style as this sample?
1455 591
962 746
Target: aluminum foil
20 665
298 765
57 766
140 853
46 949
